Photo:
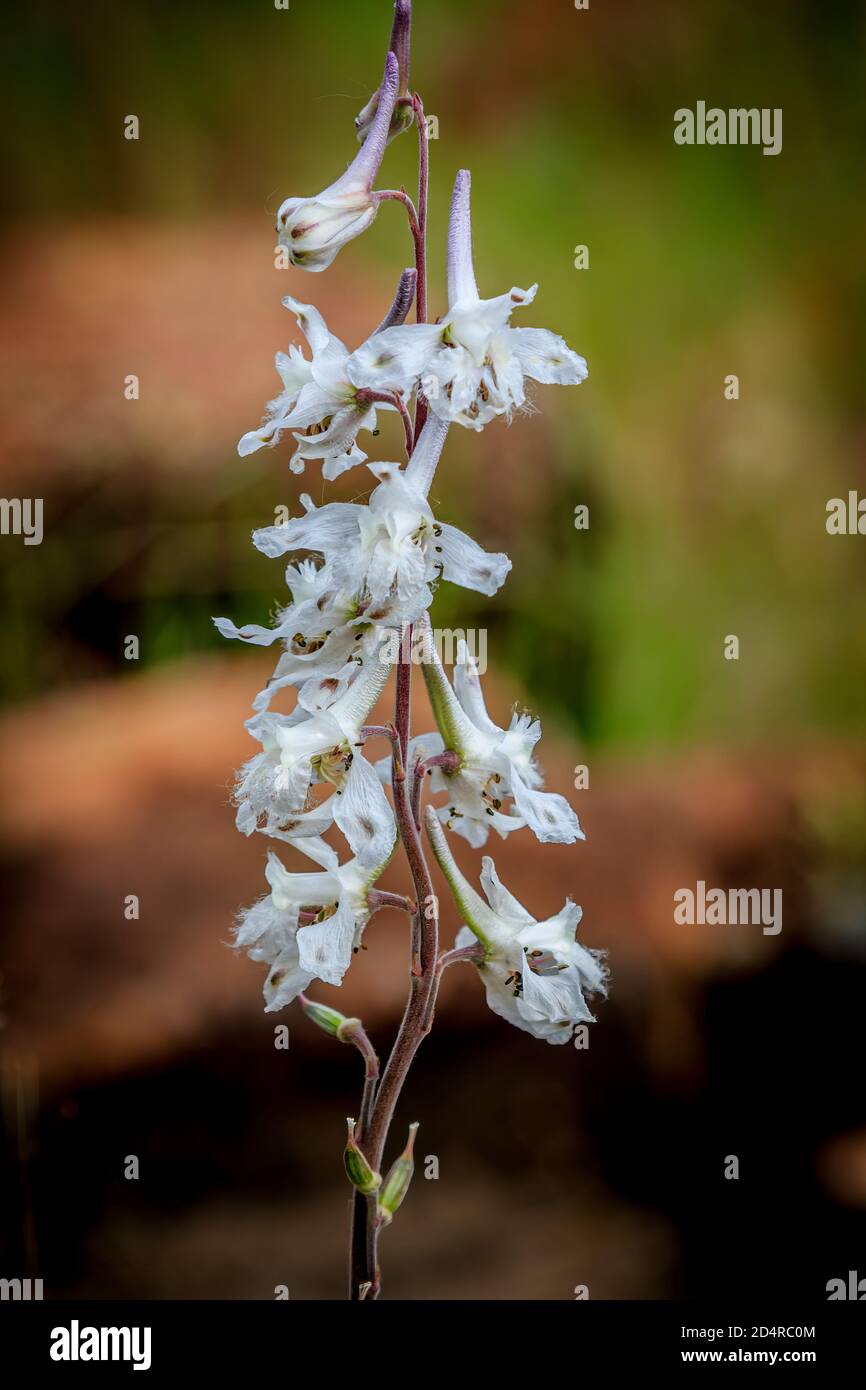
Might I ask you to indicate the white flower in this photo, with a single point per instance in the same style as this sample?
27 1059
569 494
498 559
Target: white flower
319 403
327 639
535 973
392 549
494 763
372 577
299 749
321 949
314 229
472 364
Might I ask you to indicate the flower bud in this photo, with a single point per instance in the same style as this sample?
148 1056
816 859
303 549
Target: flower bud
396 1185
403 118
358 1170
313 230
329 1020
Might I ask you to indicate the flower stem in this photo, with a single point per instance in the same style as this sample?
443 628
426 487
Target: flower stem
425 970
377 898
366 395
399 195
421 240
423 176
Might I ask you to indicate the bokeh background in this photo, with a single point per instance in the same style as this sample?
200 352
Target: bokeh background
155 257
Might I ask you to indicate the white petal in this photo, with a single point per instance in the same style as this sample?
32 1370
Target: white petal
364 815
310 322
255 439
546 357
555 999
548 815
258 636
336 444
291 891
465 563
325 948
261 926
315 848
473 323
325 528
285 980
293 370
499 988
467 688
329 372
395 357
512 913
554 936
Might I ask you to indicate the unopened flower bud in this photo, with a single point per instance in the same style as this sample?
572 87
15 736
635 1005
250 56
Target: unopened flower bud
396 1185
402 118
358 1170
403 115
314 229
329 1020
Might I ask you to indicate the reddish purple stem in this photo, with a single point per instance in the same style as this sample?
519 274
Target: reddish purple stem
365 396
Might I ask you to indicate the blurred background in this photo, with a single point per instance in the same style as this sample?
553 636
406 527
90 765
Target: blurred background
154 257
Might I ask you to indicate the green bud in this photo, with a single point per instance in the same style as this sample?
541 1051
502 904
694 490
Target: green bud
329 1020
358 1170
396 1185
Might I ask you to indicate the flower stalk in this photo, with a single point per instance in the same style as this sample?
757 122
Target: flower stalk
353 612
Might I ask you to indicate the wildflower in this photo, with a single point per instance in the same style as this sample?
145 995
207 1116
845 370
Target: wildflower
495 764
320 949
319 403
535 974
300 749
392 548
471 364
